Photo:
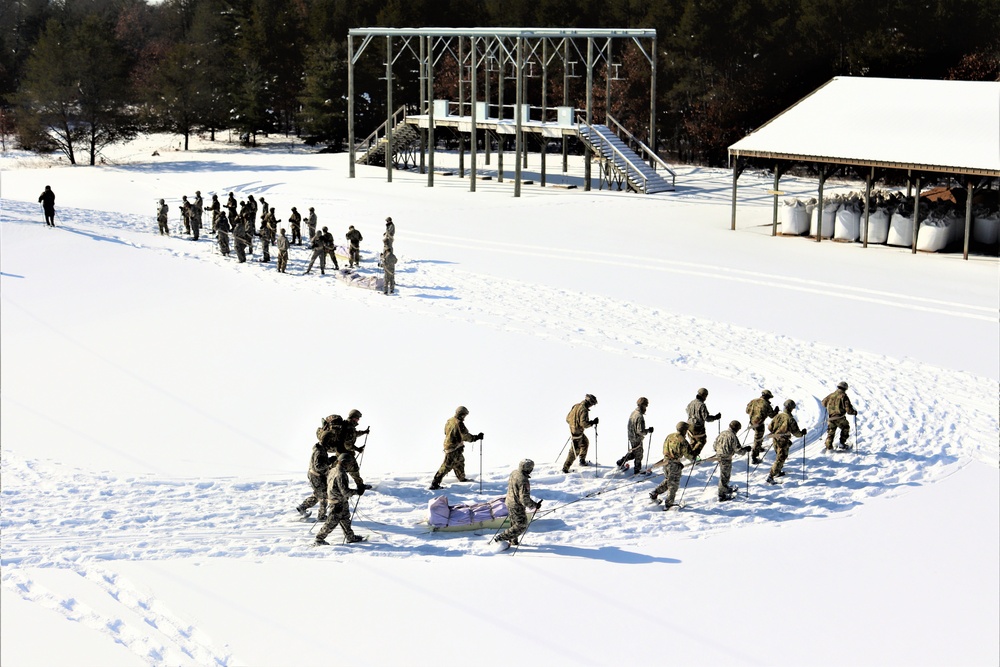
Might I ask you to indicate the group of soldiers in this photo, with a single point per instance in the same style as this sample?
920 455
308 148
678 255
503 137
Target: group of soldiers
240 220
682 447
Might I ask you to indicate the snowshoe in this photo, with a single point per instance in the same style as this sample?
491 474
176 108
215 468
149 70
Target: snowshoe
756 461
352 539
500 545
770 480
320 542
303 514
654 498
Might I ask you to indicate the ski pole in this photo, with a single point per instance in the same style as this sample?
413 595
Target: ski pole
563 448
595 450
857 446
649 446
763 455
803 457
365 443
684 490
710 477
481 467
520 539
748 474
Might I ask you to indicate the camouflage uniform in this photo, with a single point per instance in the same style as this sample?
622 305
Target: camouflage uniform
676 447
282 252
389 279
318 252
186 214
197 209
240 240
579 420
455 437
783 427
215 207
697 416
231 206
354 238
295 220
348 460
319 465
636 434
222 228
338 493
727 445
838 406
311 223
518 501
252 211
330 247
161 219
760 410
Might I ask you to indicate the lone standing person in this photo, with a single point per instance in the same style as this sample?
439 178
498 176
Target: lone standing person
727 445
48 201
282 251
760 410
389 268
697 416
354 238
783 427
838 406
295 220
161 218
311 223
579 420
636 434
455 436
676 448
518 502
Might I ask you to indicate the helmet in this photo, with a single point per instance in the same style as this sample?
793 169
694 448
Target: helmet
842 385
590 399
162 202
766 394
735 425
354 414
325 229
293 208
527 465
789 405
642 401
461 411
389 219
197 192
702 393
682 427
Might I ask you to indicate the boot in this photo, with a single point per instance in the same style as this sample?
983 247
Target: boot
514 542
352 538
565 470
619 462
435 485
303 512
319 541
583 462
654 497
321 517
755 460
770 480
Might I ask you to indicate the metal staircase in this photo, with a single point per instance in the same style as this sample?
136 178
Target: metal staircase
622 160
405 138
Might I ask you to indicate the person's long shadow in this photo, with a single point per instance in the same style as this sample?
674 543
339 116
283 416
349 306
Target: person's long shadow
609 554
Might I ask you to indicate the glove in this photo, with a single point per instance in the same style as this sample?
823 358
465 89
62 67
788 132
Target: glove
718 415
650 430
804 431
366 431
597 420
479 436
361 491
538 504
361 448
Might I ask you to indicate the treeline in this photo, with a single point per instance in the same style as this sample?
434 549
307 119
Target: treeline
77 75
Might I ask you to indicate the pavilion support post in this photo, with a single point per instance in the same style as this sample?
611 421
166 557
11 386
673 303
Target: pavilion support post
819 205
868 203
500 137
916 213
422 85
487 142
475 148
968 215
589 155
652 103
777 183
388 109
461 107
565 139
518 100
430 112
738 168
350 106
545 108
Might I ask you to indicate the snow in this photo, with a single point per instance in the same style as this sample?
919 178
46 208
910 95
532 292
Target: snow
159 403
887 121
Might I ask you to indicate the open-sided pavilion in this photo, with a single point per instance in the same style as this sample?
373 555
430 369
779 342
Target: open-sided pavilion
926 130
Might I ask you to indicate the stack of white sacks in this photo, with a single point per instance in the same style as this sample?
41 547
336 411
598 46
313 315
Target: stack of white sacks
890 221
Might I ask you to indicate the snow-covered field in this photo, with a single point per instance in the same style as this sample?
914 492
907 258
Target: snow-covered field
159 403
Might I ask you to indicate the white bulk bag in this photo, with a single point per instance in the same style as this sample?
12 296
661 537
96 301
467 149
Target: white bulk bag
900 230
933 235
985 228
829 216
848 224
794 217
878 222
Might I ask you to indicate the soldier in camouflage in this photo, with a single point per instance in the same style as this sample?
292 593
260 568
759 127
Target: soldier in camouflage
579 420
186 214
760 410
161 218
319 465
455 437
311 222
838 406
215 208
240 239
295 220
265 241
636 434
389 275
348 439
676 448
197 208
783 427
222 229
354 240
697 416
282 251
727 445
338 493
518 502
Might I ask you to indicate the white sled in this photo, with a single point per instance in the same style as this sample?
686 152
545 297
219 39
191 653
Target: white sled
355 279
453 518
